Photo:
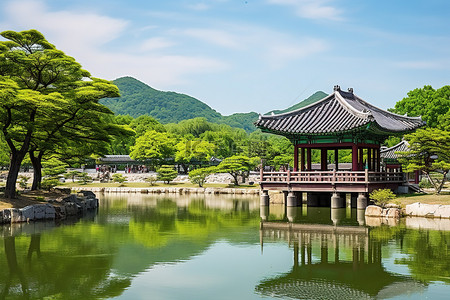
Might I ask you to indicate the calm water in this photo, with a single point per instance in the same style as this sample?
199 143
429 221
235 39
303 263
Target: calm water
148 247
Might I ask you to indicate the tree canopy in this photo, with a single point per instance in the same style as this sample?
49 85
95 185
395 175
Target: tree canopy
429 152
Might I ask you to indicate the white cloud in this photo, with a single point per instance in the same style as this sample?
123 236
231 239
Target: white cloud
68 30
156 43
423 65
214 36
91 39
199 6
312 9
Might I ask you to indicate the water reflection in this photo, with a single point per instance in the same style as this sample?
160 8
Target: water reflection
98 256
313 252
337 253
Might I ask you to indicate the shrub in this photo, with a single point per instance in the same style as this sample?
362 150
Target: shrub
119 178
48 183
84 178
425 183
151 179
382 196
166 174
198 176
23 181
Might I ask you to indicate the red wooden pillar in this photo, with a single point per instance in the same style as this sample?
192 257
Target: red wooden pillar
361 159
308 159
355 161
323 159
336 159
302 159
295 158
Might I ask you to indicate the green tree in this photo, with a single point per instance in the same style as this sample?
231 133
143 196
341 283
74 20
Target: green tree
432 105
193 150
166 174
237 166
429 151
119 178
40 86
198 176
154 145
382 197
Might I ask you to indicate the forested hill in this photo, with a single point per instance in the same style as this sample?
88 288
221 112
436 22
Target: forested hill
311 99
137 99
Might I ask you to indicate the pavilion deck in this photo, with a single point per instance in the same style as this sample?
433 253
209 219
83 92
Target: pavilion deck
330 181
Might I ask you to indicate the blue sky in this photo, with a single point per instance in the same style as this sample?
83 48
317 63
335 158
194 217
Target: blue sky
240 56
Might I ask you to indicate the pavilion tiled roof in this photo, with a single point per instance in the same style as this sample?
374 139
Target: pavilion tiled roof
338 112
390 153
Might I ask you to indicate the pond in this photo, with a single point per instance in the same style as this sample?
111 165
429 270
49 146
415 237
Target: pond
216 247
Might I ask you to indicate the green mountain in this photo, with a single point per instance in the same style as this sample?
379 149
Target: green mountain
311 99
137 99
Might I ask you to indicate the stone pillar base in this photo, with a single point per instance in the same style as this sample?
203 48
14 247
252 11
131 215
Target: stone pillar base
361 201
337 201
264 198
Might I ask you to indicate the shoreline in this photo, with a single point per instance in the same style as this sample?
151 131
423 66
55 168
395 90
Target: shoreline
172 190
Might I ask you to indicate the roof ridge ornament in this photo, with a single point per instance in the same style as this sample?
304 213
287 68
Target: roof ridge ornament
337 88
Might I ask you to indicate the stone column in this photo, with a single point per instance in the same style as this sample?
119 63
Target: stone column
264 212
361 201
337 201
264 201
337 215
291 199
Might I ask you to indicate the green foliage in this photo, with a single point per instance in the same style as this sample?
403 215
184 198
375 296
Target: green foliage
432 105
84 178
151 179
198 176
425 183
188 150
23 181
72 174
49 183
429 152
237 166
382 197
119 178
154 145
166 174
138 99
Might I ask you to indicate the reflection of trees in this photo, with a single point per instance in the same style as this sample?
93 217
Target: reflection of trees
429 256
80 269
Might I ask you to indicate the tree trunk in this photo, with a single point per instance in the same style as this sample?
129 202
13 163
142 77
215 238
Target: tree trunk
36 161
13 173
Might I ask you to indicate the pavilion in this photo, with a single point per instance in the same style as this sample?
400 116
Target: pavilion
340 121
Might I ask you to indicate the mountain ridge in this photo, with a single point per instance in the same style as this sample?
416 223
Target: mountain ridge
138 98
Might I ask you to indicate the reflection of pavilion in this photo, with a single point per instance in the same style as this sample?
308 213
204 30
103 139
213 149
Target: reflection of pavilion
331 262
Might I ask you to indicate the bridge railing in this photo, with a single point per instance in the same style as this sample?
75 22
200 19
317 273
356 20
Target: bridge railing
350 177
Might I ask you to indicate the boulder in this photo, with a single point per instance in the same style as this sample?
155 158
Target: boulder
49 211
39 211
374 211
88 194
28 212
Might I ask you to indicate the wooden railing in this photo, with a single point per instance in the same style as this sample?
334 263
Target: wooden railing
331 177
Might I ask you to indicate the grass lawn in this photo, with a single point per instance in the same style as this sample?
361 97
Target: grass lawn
424 198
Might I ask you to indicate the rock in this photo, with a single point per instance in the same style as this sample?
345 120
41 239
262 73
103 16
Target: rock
374 211
392 212
28 212
49 212
16 215
88 194
66 191
39 211
69 198
71 209
443 211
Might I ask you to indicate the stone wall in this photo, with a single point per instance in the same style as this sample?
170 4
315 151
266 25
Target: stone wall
68 205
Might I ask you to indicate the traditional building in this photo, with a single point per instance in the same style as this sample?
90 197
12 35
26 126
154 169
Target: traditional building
339 121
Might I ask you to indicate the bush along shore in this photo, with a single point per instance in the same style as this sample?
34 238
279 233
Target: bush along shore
172 190
58 209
